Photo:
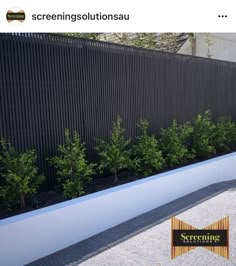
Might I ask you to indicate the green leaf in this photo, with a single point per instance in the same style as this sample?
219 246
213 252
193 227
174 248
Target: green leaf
72 169
146 155
114 154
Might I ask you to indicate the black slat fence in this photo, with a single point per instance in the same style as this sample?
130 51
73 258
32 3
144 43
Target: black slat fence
50 82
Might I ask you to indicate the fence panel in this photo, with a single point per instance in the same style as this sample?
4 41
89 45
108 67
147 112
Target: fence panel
49 83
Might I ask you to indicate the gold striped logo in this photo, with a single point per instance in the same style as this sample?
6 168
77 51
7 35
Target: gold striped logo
15 16
185 237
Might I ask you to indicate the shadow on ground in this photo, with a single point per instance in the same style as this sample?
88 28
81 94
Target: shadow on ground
92 246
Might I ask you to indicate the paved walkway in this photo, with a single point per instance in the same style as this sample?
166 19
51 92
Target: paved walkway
145 240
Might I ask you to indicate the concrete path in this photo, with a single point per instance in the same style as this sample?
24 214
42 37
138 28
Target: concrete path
145 240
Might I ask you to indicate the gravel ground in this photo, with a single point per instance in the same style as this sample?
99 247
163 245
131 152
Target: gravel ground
152 247
145 240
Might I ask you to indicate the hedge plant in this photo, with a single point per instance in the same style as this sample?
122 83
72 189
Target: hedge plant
72 168
179 143
19 175
146 155
225 134
114 154
175 143
203 135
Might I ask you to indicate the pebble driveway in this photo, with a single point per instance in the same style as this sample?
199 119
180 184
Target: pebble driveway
145 240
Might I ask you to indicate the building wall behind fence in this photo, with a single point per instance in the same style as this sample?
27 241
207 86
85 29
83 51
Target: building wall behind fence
49 83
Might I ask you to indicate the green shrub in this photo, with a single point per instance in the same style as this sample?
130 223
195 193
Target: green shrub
147 158
175 143
225 134
72 169
203 135
73 188
3 153
20 175
114 154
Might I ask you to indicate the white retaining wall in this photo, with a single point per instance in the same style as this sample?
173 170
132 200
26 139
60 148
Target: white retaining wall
30 236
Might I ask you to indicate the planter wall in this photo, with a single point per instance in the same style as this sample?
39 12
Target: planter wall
30 236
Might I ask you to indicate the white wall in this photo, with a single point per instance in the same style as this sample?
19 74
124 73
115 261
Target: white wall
221 46
30 236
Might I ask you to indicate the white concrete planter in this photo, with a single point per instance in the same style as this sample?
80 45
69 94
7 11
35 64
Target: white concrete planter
30 236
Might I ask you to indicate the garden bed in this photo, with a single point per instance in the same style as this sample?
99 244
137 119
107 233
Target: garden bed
66 223
48 198
176 146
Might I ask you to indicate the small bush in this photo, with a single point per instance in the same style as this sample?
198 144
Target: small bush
3 153
72 169
225 134
20 175
175 143
147 158
203 135
73 188
114 154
